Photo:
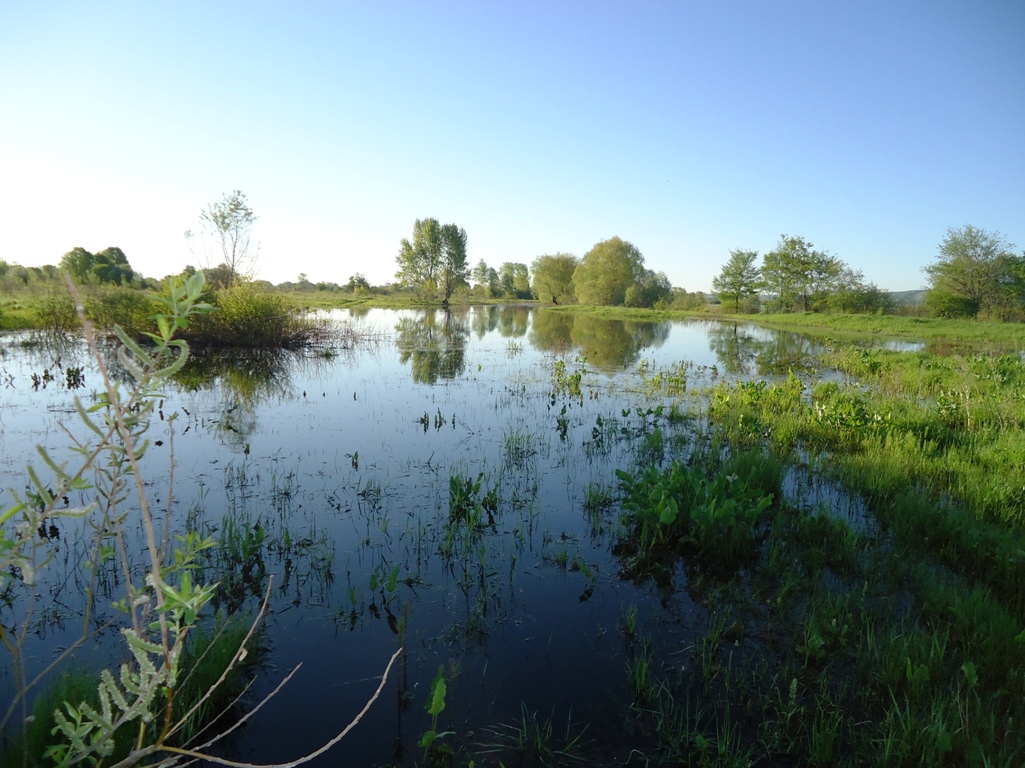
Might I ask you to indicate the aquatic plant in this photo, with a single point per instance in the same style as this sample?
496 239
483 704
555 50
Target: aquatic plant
709 509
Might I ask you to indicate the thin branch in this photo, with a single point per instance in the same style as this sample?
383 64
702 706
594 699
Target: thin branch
235 660
305 758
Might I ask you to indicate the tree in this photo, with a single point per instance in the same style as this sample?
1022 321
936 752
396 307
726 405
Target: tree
108 266
454 267
230 221
606 272
553 277
1009 299
794 272
966 279
420 259
652 289
486 280
358 284
739 278
78 262
434 260
111 266
515 279
680 299
850 293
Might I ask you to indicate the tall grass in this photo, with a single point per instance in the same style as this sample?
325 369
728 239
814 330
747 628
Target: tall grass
244 316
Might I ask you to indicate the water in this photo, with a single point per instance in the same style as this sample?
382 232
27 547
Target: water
344 461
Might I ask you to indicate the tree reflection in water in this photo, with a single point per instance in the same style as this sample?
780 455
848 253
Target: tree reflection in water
246 380
616 343
434 345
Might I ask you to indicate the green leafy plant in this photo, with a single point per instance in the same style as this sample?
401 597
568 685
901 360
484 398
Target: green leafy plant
435 706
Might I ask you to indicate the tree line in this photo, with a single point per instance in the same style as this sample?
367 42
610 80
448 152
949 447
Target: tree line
976 274
795 276
433 264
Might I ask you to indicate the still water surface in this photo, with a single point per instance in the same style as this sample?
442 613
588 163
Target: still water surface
345 461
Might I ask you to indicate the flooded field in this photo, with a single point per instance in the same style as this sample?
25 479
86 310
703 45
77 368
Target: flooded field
458 487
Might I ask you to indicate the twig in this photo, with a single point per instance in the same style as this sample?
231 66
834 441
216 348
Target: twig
305 758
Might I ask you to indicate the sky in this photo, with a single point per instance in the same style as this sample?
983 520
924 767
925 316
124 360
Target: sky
687 128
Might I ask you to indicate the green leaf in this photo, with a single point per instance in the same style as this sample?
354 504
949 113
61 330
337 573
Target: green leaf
437 701
670 511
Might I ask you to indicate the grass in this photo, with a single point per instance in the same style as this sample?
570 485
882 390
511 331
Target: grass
532 741
897 642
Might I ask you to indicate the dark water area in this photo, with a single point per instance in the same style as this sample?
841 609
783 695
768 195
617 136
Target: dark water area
348 463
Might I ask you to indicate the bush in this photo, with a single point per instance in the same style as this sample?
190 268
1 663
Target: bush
132 309
245 316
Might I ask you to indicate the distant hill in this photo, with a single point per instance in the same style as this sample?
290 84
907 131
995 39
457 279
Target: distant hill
909 298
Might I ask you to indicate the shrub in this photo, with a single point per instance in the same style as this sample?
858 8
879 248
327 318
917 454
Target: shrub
245 316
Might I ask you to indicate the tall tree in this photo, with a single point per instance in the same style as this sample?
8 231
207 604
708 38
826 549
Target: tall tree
553 277
739 278
515 279
965 279
479 274
419 260
434 263
606 272
795 272
230 222
454 267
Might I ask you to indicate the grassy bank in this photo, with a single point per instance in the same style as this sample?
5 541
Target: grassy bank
979 334
894 638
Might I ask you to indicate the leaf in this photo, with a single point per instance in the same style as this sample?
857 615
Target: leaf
670 511
437 702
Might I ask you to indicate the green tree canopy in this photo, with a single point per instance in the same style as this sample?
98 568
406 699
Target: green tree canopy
111 266
971 275
652 289
358 284
78 262
108 266
486 280
553 277
739 279
454 267
515 279
850 293
606 272
434 262
796 274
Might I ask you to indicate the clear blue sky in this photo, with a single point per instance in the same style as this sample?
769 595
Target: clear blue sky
687 128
